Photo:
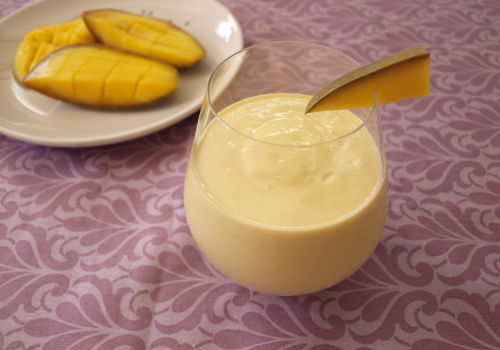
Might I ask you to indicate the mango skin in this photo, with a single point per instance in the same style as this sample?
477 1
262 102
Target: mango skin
41 42
144 35
99 77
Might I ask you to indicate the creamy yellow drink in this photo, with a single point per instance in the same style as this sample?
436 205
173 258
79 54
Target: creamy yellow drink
282 202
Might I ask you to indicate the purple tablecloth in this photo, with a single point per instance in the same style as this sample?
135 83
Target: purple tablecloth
95 252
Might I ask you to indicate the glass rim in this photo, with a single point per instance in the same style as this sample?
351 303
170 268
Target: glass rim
352 132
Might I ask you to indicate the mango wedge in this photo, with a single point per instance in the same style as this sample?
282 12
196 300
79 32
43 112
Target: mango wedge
96 76
147 36
399 77
41 42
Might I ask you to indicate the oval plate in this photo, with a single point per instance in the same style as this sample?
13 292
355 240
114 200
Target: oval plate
29 116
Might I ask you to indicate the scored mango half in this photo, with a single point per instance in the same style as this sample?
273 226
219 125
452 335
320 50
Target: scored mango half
41 42
144 35
97 76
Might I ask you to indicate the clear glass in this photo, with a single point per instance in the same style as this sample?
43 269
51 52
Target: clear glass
284 218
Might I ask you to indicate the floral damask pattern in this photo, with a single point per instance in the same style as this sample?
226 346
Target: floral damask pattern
95 251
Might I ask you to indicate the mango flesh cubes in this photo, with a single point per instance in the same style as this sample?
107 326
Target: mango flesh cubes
41 42
96 76
145 36
399 77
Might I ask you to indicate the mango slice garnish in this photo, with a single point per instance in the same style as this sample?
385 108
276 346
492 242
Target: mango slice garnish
144 35
41 42
402 76
97 76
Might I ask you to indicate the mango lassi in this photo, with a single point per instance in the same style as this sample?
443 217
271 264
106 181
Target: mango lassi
282 202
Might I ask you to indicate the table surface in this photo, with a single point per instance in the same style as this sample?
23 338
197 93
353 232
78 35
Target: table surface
95 251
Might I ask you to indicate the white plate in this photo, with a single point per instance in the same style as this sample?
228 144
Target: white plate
29 116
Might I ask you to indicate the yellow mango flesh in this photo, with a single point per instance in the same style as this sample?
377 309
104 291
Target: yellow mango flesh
96 76
145 36
41 42
396 79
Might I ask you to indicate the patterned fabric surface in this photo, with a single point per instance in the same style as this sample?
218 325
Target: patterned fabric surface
95 251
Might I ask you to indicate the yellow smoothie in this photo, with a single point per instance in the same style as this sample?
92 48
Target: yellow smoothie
290 203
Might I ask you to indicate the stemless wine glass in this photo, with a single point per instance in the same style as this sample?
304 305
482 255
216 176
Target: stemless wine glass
284 218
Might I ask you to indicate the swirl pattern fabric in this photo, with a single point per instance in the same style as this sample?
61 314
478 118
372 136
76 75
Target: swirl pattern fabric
95 251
